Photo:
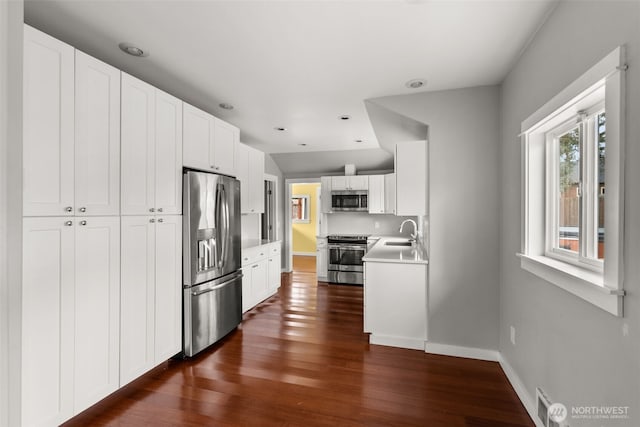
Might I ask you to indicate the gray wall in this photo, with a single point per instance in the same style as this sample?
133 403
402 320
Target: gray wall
463 211
11 30
574 350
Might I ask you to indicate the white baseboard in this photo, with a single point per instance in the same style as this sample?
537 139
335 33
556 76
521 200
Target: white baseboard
313 254
459 351
403 342
527 400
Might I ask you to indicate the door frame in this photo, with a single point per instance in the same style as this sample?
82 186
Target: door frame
289 224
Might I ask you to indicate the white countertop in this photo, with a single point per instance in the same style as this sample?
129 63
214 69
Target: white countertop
381 252
250 243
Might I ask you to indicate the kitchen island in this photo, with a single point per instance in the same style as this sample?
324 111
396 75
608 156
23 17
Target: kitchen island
395 293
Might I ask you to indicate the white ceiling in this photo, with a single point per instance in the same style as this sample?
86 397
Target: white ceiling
299 64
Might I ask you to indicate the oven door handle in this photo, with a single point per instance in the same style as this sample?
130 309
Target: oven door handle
353 247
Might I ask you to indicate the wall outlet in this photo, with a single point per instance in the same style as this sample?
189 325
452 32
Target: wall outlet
625 329
513 335
376 225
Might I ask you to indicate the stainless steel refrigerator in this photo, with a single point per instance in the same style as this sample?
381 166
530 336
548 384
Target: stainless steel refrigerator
211 257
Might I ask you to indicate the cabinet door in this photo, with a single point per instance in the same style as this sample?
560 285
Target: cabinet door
47 320
223 147
97 309
256 181
137 296
339 183
168 287
168 150
97 137
321 258
48 117
260 280
390 193
274 274
376 194
242 173
325 194
137 146
411 178
358 182
198 134
247 297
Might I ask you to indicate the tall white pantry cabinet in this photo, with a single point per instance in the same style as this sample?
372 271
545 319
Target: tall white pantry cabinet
73 283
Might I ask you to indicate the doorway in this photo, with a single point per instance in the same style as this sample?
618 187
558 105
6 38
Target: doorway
304 218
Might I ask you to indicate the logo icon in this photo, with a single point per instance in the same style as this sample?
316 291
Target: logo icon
557 412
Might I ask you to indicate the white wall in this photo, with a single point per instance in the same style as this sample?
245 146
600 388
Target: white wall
572 349
11 19
364 223
463 211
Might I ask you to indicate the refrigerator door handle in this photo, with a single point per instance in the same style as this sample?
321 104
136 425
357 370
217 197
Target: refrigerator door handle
216 287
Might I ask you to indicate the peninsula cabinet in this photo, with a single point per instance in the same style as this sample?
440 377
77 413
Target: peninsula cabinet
151 150
250 168
151 293
71 130
209 143
70 315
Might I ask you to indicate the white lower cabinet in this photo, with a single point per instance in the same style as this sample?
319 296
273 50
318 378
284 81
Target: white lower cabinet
150 329
70 309
274 268
395 304
321 258
261 273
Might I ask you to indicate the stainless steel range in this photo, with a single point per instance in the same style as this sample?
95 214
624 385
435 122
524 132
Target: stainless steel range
345 258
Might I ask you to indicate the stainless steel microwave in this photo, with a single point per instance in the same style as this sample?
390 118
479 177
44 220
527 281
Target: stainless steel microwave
349 201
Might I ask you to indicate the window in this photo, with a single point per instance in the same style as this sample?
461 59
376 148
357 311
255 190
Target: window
300 209
571 147
575 153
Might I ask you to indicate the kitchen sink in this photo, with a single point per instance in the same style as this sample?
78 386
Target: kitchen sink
398 244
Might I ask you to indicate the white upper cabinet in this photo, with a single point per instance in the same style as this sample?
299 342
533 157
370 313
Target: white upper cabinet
209 143
168 167
250 167
350 182
325 194
376 194
222 153
390 193
411 178
151 149
48 125
97 137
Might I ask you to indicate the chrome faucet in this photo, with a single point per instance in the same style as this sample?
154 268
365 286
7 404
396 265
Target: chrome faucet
415 228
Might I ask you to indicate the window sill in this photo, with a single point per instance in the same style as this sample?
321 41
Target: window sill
581 282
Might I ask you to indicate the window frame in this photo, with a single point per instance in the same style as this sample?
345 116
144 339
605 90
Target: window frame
601 287
587 255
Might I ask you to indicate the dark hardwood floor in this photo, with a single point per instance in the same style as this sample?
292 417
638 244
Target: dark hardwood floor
300 359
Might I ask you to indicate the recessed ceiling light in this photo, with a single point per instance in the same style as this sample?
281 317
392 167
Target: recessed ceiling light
302 144
280 129
225 106
415 83
345 117
357 140
133 50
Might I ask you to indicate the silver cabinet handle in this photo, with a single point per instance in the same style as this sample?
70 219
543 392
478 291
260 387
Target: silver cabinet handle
159 209
68 223
152 210
160 220
213 167
68 209
83 222
83 209
152 220
254 266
